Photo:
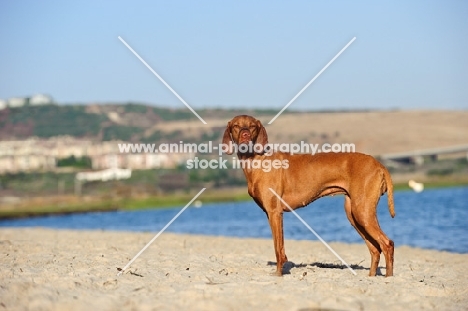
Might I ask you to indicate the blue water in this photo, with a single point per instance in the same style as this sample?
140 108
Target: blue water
434 219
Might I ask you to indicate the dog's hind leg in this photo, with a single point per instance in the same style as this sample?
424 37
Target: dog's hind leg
365 216
374 249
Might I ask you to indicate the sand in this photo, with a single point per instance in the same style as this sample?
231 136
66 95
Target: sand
44 269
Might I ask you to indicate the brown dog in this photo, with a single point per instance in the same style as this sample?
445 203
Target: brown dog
360 177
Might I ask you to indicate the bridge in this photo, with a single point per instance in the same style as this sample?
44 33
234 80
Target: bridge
417 156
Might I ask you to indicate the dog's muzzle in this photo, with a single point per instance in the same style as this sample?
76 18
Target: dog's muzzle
244 136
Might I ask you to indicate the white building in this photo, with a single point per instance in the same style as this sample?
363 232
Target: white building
3 104
40 99
42 155
16 102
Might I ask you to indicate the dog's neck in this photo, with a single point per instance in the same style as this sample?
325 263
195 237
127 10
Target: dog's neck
245 156
247 159
246 164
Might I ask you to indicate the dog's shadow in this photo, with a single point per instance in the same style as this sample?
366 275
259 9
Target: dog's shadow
321 265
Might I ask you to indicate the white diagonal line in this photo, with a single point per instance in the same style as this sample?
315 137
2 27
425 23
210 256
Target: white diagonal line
159 233
313 231
313 79
161 79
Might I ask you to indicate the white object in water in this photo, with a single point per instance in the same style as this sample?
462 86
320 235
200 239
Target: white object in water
416 186
197 204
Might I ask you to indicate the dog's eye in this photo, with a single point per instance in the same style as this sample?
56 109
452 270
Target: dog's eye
235 126
252 126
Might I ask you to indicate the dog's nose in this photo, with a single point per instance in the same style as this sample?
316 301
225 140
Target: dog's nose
245 134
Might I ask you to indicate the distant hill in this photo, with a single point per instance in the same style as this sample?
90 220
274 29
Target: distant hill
129 122
373 132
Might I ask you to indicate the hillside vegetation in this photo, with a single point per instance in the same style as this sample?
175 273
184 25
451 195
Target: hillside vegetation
128 122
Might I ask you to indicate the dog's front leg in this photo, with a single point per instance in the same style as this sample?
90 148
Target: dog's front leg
276 224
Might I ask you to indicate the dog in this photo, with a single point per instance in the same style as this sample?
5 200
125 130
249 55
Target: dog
359 177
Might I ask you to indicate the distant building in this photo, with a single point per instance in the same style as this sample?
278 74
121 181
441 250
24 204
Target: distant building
19 156
42 155
35 100
40 99
15 102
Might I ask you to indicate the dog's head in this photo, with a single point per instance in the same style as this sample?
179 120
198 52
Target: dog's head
245 130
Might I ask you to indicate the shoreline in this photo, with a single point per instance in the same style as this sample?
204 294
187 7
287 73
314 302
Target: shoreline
76 270
44 206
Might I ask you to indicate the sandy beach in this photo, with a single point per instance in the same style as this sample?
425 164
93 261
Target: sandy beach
43 269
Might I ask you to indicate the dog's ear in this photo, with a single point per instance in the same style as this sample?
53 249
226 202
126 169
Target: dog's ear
262 137
227 141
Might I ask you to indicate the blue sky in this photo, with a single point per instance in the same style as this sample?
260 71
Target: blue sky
237 54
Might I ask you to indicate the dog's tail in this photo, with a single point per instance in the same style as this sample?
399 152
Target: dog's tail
388 181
